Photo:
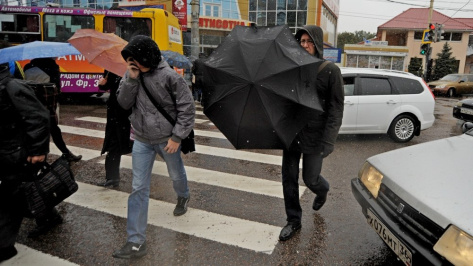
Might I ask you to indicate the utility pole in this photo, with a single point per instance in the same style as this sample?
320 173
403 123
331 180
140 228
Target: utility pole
195 37
428 65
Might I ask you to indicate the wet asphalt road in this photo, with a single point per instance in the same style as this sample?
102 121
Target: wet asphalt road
336 235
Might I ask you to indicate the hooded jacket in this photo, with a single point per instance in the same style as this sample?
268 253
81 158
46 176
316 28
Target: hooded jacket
149 125
324 127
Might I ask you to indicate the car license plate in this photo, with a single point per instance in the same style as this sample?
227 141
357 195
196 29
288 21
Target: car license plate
466 111
392 241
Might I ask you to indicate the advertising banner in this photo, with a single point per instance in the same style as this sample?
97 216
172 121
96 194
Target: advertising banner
179 9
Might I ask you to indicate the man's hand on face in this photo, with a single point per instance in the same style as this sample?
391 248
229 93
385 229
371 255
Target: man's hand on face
133 69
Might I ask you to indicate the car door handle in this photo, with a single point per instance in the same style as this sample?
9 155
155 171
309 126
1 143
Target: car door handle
349 103
391 102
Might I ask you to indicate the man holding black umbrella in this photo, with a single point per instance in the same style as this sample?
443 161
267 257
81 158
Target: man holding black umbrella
316 140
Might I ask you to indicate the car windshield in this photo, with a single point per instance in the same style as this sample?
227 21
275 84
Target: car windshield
450 78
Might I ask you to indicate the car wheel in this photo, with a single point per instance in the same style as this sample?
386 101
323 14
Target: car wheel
451 92
402 128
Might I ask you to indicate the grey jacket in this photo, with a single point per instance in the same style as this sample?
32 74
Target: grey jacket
149 124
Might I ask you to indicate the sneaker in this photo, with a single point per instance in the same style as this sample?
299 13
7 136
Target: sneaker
110 183
181 206
70 157
130 250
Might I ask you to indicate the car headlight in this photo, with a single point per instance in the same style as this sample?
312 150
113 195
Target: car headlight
456 246
459 104
440 86
371 178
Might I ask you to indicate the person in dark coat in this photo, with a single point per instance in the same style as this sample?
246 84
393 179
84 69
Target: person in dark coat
316 140
51 70
24 139
197 70
117 131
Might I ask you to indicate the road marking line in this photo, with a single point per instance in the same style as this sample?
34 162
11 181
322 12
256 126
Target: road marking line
28 256
242 233
201 149
220 179
204 133
104 120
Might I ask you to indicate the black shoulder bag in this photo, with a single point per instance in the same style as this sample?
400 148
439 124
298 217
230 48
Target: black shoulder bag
188 143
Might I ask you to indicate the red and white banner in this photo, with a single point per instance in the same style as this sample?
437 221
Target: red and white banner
179 9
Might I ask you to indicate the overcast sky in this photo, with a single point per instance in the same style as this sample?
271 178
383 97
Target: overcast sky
367 15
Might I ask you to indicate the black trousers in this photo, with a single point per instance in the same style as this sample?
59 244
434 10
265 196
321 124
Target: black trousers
56 134
113 158
12 208
311 168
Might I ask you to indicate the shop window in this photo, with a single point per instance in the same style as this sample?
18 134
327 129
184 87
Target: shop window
302 5
456 36
281 18
212 10
252 5
252 17
271 19
291 4
301 18
281 5
291 19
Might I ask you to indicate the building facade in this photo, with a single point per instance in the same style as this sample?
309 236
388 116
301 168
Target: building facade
218 17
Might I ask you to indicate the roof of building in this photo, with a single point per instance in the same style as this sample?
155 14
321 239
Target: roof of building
417 18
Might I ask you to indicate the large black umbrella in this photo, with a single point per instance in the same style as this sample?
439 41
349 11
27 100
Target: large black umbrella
259 87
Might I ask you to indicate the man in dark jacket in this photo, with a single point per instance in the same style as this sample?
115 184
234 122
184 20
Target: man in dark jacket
316 140
51 72
24 139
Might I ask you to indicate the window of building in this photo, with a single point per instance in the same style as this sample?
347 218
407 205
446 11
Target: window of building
371 61
418 35
278 12
456 36
212 10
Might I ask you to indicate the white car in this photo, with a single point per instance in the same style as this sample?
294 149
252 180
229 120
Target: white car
383 101
418 199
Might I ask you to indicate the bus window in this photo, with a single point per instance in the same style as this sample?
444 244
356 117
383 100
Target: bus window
59 28
19 28
126 28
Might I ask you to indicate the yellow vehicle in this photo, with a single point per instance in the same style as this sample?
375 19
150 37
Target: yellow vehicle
19 24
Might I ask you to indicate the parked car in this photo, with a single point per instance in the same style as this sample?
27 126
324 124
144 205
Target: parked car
418 200
463 110
453 84
381 101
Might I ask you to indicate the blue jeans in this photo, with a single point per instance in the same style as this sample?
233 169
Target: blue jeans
143 157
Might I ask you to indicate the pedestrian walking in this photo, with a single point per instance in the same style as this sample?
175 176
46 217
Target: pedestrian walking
117 131
41 70
24 139
197 71
149 74
316 140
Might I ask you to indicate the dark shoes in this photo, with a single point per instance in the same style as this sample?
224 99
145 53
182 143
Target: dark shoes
7 253
130 250
181 206
45 225
110 183
289 231
319 201
70 157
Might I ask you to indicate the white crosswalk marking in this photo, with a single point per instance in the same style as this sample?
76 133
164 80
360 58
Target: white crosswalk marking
229 153
30 257
224 229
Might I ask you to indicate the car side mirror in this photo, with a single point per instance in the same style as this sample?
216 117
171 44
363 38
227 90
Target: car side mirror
461 81
467 126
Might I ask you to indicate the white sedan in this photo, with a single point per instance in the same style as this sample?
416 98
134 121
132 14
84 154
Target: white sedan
418 199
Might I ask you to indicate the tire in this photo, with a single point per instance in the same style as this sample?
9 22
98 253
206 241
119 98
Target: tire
402 128
451 92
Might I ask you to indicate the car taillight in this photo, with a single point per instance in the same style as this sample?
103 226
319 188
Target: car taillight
433 96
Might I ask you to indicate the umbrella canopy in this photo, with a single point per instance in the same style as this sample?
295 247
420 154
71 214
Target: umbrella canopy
259 87
176 59
36 49
101 49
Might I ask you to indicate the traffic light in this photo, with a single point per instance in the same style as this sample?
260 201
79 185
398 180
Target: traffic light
424 48
439 32
431 32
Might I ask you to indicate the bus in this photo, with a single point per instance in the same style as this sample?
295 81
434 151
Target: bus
21 24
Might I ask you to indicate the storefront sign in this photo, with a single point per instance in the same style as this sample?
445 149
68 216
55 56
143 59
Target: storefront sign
137 3
219 24
179 9
333 54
